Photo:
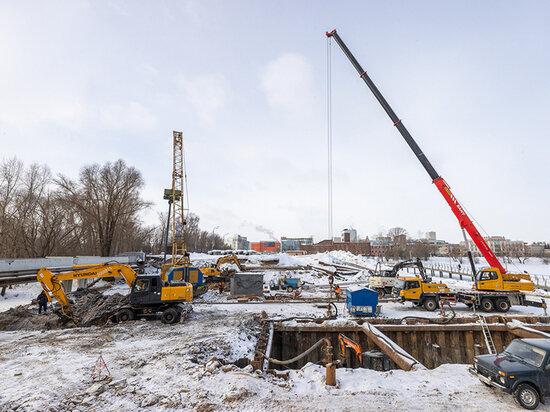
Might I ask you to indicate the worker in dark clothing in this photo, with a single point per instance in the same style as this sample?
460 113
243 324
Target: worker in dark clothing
42 302
220 286
330 280
337 291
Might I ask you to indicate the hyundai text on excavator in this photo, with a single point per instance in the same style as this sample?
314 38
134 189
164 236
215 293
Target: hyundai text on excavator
487 281
149 296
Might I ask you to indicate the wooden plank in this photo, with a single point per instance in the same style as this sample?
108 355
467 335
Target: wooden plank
497 340
442 342
395 328
399 339
469 344
414 347
456 354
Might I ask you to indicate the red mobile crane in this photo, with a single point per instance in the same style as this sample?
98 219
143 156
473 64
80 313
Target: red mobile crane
495 278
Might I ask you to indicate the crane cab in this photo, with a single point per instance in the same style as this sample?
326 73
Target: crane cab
493 279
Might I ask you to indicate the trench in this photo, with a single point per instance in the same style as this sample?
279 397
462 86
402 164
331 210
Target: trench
431 344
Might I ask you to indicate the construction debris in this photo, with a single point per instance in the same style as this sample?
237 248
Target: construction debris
91 308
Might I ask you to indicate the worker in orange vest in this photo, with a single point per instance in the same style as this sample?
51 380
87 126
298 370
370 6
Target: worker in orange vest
337 291
220 286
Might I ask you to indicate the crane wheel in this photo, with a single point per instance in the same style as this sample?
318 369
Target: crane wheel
503 305
170 316
430 304
125 315
487 305
289 289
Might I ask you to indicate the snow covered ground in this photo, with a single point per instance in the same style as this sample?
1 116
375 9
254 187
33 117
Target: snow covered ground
190 366
19 295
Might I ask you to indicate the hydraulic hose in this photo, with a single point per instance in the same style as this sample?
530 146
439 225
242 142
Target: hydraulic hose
326 341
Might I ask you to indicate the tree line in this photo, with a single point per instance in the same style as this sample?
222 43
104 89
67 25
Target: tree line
196 239
99 213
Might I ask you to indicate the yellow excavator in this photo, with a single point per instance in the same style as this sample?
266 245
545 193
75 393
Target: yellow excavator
149 295
217 272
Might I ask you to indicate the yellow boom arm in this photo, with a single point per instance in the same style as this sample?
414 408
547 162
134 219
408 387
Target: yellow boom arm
51 282
228 259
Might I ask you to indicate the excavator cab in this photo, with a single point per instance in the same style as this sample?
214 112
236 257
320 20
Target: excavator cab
146 290
149 290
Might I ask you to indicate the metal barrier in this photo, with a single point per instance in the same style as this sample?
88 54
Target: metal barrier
18 271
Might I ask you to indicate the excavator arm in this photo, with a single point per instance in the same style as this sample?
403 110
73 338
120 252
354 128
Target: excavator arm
51 282
228 259
344 342
411 263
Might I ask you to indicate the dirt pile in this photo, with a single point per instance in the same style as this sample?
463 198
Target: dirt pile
27 318
90 308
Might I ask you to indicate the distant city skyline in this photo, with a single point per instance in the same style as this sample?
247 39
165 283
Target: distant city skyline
245 81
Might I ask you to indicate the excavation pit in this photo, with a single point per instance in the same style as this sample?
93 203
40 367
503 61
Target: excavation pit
431 344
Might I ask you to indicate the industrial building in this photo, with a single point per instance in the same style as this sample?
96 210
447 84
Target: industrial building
358 248
238 242
294 243
265 246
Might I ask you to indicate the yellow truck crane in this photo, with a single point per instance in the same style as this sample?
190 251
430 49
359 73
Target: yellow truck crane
149 296
494 287
421 291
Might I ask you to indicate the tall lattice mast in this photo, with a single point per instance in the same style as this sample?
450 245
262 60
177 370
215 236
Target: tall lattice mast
179 251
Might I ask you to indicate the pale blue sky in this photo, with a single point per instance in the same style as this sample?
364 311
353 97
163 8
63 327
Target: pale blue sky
91 81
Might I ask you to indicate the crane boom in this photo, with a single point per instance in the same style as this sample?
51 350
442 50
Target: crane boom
463 219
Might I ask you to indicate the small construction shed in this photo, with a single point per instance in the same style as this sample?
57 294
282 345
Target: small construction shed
247 284
362 301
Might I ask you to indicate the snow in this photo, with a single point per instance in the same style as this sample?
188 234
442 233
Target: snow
19 295
180 367
189 366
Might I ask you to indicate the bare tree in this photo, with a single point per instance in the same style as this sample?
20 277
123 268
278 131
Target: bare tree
396 231
422 250
107 198
11 174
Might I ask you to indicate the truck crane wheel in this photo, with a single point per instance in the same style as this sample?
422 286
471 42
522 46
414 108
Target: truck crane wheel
527 396
487 305
430 304
503 305
170 316
125 315
289 289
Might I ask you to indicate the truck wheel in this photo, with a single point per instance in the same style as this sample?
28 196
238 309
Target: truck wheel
125 315
170 316
487 305
381 293
289 289
503 305
430 304
527 396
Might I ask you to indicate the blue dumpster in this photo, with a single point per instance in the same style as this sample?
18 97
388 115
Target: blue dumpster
362 301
